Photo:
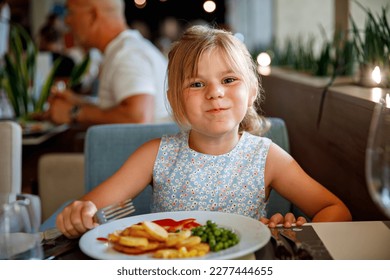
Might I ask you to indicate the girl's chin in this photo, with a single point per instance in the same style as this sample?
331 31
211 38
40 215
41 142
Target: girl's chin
217 129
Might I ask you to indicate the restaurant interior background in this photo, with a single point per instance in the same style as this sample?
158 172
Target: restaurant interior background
327 122
258 20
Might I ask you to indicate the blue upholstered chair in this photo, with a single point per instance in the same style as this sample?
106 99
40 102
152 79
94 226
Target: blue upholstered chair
108 146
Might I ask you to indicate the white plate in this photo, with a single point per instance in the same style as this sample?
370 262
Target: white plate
252 233
36 127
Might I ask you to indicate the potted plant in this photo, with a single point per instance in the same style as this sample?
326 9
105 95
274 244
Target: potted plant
335 58
372 48
18 76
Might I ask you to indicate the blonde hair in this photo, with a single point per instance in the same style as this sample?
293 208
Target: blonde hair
183 63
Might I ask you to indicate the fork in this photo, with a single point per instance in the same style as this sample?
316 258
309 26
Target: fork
281 250
114 211
104 215
300 252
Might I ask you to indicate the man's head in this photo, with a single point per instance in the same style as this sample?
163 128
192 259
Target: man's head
94 23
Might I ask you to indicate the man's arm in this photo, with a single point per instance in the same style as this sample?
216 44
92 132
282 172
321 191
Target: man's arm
134 109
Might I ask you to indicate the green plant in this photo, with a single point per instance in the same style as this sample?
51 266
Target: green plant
18 75
374 47
335 57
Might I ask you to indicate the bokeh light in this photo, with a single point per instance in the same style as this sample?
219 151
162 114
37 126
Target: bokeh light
209 6
263 59
140 3
376 75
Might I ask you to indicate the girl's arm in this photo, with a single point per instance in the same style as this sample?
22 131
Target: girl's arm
130 180
284 174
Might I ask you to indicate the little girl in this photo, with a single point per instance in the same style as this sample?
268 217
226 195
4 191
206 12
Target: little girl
218 162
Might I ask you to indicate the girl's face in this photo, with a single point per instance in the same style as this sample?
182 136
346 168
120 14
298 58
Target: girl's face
216 99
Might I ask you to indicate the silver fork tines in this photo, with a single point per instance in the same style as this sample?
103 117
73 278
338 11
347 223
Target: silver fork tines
282 252
300 252
114 211
102 216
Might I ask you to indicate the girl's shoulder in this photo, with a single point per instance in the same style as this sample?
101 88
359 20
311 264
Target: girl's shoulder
256 138
175 138
166 138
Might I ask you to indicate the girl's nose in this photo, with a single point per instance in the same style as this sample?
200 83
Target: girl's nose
215 91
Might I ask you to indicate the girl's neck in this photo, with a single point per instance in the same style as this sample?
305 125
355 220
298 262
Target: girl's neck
213 145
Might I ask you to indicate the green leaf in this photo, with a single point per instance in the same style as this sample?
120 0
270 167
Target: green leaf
374 49
13 88
357 41
45 92
78 71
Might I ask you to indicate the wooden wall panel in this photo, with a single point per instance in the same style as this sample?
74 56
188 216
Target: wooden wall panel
334 151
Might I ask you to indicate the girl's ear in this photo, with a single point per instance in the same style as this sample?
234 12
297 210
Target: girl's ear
252 96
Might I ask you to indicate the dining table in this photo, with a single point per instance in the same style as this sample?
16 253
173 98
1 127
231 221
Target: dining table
356 240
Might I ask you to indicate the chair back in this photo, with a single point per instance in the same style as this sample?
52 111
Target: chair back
10 157
279 135
108 146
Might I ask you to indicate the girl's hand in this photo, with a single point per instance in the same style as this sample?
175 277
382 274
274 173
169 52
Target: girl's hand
76 218
286 221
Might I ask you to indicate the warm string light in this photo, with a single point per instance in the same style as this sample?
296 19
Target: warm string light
209 6
376 75
376 94
140 3
264 61
387 100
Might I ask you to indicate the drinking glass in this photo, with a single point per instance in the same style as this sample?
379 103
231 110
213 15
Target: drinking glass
19 223
378 155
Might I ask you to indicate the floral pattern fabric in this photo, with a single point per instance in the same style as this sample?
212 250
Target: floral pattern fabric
185 180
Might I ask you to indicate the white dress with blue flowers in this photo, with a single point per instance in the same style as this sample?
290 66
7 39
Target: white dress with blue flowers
185 180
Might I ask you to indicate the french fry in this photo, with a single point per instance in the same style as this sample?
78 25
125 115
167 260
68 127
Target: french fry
175 238
157 232
138 231
189 242
149 237
131 241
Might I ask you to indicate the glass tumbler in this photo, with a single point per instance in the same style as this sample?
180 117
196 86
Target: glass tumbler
378 155
19 223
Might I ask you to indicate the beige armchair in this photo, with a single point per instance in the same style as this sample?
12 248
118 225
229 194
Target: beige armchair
60 178
10 157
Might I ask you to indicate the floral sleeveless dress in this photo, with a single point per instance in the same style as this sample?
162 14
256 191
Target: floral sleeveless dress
185 180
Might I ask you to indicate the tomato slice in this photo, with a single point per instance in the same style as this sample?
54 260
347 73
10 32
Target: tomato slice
171 225
103 239
166 222
191 225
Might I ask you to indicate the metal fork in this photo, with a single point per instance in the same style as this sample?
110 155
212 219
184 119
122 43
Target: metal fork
300 252
114 211
109 213
281 250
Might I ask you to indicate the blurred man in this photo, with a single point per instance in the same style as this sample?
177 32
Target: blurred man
132 77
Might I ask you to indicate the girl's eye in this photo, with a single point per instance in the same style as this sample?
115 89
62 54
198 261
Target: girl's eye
196 84
229 80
